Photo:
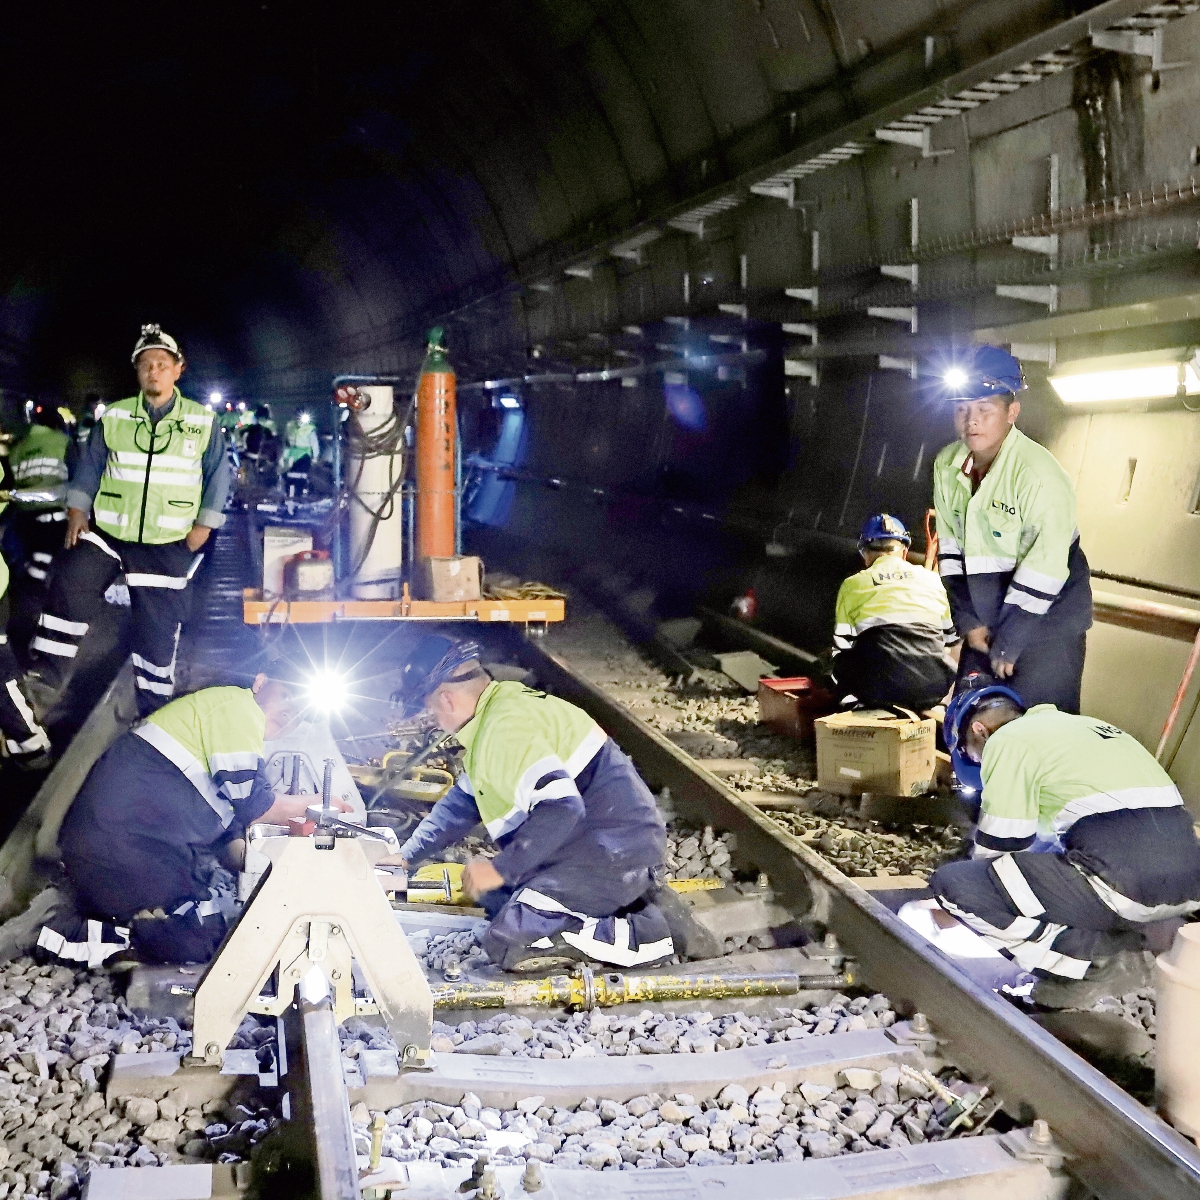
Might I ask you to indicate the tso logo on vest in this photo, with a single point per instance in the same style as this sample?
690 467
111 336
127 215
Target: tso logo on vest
1008 509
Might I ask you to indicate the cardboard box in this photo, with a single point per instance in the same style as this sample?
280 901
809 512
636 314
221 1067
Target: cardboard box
448 580
874 752
790 706
280 542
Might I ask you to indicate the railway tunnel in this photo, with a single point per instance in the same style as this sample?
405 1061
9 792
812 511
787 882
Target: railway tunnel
696 274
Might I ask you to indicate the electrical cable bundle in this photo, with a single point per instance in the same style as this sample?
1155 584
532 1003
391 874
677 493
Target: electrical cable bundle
386 441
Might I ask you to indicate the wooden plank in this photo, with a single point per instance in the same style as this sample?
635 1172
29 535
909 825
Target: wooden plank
258 611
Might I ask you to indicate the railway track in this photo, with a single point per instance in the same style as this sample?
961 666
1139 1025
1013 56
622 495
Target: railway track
1117 1147
787 1059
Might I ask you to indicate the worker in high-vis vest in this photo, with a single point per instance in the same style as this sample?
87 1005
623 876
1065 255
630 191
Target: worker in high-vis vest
299 442
25 741
153 811
1008 545
1082 840
580 870
150 487
892 626
41 462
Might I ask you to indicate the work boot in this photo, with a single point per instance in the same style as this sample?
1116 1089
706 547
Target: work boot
547 956
1111 975
42 691
692 940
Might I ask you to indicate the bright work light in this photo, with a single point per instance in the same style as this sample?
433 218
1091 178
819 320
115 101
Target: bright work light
955 377
305 419
215 397
327 690
1154 375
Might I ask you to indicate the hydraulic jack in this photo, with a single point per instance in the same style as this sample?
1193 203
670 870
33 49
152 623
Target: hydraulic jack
319 907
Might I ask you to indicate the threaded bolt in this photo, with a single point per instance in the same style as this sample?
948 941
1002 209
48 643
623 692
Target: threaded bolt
831 941
1041 1133
919 1023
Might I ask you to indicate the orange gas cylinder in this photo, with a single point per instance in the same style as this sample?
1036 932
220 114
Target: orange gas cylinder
436 435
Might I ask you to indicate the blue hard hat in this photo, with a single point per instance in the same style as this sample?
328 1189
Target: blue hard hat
980 372
883 527
969 693
434 660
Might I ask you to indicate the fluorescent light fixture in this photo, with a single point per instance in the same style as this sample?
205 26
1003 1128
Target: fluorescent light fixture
1153 375
509 402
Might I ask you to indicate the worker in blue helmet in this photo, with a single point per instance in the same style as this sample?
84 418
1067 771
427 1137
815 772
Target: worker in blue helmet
580 869
892 625
1117 847
1008 545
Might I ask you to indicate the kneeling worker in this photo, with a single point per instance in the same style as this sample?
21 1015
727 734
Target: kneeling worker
184 782
580 870
892 625
1118 847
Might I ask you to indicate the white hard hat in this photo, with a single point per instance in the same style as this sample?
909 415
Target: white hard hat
153 338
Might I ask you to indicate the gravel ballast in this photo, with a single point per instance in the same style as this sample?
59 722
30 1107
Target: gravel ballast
713 719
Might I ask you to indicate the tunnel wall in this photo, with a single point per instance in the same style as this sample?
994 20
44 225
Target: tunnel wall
863 439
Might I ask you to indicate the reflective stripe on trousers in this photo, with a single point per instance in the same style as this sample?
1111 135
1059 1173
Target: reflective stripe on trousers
621 952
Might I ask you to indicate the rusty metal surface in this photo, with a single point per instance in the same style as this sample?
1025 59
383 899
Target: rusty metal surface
1121 1147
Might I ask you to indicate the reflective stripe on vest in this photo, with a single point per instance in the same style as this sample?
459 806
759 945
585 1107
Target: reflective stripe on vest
190 765
152 485
39 460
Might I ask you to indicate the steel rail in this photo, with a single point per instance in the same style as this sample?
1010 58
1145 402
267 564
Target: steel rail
1119 1147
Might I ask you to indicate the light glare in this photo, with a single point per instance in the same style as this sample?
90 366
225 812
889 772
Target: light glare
327 691
955 377
215 397
305 419
509 402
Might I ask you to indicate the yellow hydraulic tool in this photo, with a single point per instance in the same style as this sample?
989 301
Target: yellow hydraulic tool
441 883
588 989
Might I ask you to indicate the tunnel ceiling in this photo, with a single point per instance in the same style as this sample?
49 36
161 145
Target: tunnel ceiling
297 189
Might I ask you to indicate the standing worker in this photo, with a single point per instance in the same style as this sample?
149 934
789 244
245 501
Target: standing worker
1008 547
25 740
157 476
892 625
300 448
41 461
1082 840
582 844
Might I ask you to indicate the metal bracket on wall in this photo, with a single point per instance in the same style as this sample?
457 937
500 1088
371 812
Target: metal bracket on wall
802 369
801 329
888 362
810 295
909 272
1137 39
907 315
908 133
1031 293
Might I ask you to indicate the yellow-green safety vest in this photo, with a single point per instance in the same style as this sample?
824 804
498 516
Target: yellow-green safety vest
215 737
152 486
39 460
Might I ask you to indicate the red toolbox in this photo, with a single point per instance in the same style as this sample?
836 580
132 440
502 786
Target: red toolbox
790 706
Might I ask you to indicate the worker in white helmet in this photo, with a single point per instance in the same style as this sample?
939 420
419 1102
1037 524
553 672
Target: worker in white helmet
149 489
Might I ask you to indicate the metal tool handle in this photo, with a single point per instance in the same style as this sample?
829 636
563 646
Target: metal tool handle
294 790
327 786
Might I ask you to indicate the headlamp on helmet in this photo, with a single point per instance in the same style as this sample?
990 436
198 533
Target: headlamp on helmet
435 660
982 373
153 338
